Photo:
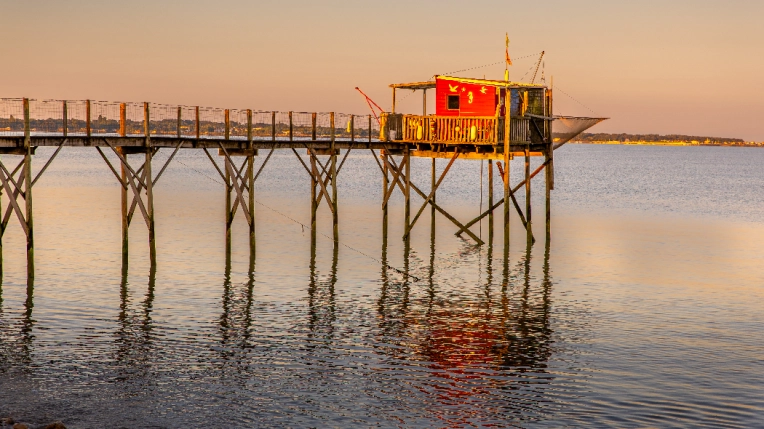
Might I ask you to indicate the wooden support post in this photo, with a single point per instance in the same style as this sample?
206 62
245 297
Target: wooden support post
87 117
149 184
528 224
507 109
125 220
291 127
313 126
424 102
273 126
180 120
227 124
433 186
228 212
333 172
548 193
28 191
352 128
65 128
490 201
385 184
198 127
393 109
369 128
122 120
313 196
407 195
249 129
251 191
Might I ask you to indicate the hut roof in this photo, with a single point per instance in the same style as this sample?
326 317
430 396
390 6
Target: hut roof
431 84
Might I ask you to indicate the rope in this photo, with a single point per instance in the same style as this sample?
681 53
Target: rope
557 88
489 65
397 270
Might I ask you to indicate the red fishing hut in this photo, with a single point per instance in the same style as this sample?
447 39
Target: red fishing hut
472 113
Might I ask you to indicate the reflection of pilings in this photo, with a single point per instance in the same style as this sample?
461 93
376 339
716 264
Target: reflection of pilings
321 297
134 338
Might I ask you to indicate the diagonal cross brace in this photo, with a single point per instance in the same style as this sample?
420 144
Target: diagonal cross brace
453 220
501 201
235 182
432 193
13 196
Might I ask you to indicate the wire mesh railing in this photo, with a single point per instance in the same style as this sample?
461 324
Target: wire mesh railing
89 118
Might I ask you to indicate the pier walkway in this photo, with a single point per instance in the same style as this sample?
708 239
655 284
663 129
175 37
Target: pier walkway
135 132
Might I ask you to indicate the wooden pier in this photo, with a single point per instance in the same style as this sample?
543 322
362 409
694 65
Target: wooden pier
135 132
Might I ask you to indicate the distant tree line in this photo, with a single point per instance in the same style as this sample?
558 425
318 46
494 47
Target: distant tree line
623 137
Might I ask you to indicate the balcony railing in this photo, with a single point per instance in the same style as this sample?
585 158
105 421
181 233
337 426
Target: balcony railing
481 130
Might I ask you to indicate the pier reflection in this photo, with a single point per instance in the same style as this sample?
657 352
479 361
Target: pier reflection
473 342
17 334
134 358
322 300
231 353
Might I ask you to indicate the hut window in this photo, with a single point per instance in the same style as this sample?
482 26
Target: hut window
453 102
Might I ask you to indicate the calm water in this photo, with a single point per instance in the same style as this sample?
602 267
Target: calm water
643 308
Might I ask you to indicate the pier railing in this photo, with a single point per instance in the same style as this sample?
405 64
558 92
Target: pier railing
481 130
112 119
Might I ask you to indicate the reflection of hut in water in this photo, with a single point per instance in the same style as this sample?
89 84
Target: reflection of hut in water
473 344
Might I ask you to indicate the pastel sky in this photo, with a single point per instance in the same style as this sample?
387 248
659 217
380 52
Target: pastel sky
669 66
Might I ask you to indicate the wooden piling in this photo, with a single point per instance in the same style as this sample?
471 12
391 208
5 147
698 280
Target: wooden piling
369 128
507 109
125 222
313 126
490 202
251 186
385 185
291 127
28 192
122 119
180 120
313 197
333 172
198 127
432 181
528 228
227 124
251 183
228 213
149 184
87 117
407 196
352 128
65 128
273 126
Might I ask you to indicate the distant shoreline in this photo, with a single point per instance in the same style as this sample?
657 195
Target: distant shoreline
674 143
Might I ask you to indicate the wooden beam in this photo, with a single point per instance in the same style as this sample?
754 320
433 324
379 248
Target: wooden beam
430 198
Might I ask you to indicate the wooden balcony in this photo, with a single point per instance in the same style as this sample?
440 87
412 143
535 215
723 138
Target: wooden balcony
459 130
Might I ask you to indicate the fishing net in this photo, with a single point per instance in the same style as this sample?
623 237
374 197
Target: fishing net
566 128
